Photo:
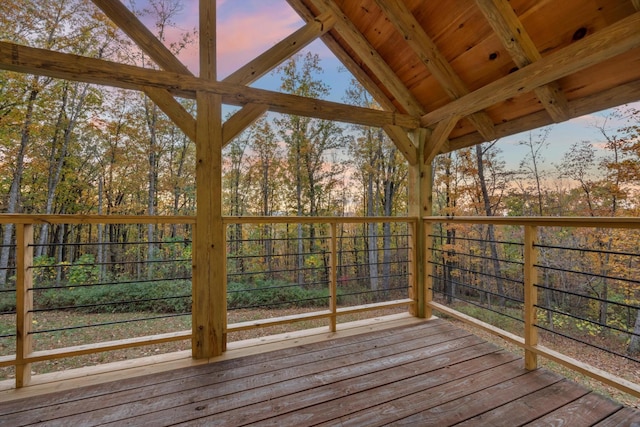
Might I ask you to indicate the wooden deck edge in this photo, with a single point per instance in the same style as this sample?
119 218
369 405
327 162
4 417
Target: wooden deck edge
90 375
571 363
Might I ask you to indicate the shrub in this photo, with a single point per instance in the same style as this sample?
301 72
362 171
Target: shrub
274 294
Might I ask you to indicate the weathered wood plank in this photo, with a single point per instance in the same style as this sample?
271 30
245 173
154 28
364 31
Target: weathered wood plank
362 393
584 411
430 398
480 401
231 376
530 407
624 417
358 342
209 401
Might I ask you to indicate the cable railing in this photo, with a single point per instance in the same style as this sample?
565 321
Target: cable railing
554 286
112 284
540 283
322 267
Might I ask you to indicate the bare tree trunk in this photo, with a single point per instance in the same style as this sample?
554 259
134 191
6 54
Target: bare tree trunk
634 344
13 201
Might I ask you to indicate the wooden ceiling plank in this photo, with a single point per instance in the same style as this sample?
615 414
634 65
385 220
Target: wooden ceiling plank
438 138
30 60
402 141
636 4
516 40
241 120
616 39
412 32
610 98
369 56
346 60
283 50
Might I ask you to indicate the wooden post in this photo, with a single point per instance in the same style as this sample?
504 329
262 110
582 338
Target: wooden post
420 204
530 297
24 302
209 314
333 281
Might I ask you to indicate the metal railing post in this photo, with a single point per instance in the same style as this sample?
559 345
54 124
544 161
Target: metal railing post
24 302
530 297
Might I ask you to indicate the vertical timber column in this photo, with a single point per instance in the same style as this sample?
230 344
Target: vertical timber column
420 205
24 302
530 297
209 314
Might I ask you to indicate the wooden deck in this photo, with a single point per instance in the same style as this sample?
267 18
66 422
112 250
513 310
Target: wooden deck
427 373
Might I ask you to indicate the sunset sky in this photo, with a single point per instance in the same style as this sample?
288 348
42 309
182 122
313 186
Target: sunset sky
246 28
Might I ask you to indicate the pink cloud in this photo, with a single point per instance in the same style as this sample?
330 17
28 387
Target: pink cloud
245 30
246 34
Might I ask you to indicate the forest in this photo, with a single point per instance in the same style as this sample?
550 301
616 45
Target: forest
74 148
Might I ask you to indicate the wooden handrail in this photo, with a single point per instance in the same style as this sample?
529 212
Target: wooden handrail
529 342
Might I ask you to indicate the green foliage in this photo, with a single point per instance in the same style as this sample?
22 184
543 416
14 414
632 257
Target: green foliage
84 270
44 271
157 297
275 294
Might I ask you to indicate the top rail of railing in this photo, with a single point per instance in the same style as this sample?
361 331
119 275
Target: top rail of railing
543 221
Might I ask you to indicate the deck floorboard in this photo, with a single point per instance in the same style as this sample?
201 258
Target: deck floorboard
430 373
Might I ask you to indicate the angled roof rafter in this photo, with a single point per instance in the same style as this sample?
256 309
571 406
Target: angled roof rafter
518 43
369 56
613 40
429 54
349 63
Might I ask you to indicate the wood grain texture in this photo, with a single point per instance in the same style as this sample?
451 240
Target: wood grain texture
518 43
420 372
430 55
368 55
77 68
614 40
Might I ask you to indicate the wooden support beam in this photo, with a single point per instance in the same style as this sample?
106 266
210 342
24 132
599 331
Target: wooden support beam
530 296
158 52
349 63
402 141
241 120
516 40
209 312
407 25
611 98
29 60
420 205
283 50
438 138
173 109
140 34
607 43
24 303
369 56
